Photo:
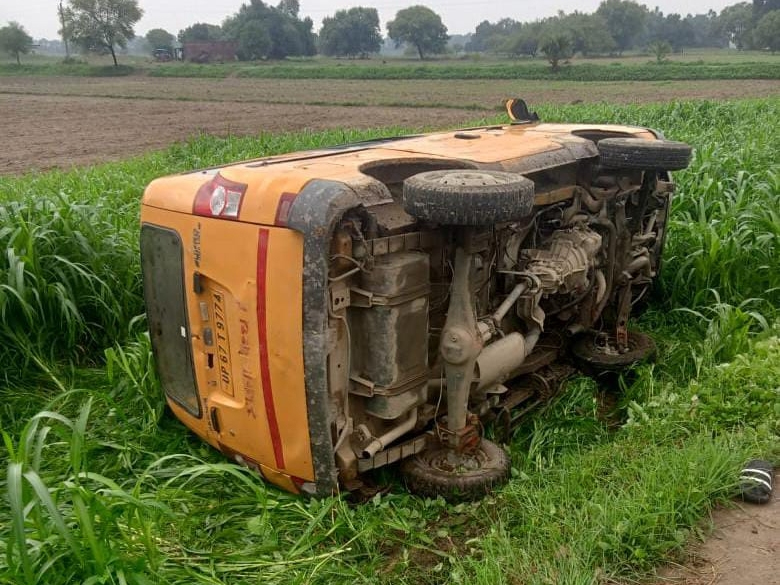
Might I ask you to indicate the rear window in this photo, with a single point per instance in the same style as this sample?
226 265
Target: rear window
162 263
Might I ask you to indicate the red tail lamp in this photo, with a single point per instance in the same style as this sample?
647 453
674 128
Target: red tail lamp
219 197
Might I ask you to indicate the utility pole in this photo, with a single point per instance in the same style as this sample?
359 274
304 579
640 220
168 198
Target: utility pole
64 32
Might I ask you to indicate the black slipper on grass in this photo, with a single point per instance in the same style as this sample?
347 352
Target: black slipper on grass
755 482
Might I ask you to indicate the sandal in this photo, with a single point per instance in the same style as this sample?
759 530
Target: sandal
755 482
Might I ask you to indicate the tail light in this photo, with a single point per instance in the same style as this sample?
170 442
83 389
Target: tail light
219 197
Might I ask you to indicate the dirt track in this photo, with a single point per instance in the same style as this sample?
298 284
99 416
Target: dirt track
744 549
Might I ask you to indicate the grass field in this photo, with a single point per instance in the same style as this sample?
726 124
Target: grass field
693 65
104 486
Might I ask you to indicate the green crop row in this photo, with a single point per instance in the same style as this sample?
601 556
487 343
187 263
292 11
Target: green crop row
74 69
536 70
531 71
102 486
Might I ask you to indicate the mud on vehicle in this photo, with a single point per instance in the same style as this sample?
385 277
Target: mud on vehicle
322 314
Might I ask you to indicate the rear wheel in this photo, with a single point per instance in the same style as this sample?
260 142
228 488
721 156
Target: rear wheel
645 155
468 197
438 471
597 352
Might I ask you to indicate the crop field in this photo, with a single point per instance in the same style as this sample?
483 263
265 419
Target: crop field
460 94
93 119
104 486
694 65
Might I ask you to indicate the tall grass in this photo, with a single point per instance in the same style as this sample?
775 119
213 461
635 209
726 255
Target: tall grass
70 279
70 274
102 486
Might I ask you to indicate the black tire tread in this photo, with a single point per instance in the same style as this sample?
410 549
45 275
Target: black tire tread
641 154
427 481
470 205
589 358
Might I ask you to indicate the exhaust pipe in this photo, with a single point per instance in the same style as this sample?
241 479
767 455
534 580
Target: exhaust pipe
380 443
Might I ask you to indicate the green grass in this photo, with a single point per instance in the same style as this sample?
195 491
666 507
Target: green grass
537 70
612 69
103 486
77 69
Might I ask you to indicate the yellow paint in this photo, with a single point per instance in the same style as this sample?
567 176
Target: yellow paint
228 265
226 257
290 173
279 479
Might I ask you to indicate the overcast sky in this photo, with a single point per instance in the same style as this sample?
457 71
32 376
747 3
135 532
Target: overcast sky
39 17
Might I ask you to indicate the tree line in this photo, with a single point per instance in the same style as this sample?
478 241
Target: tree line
620 25
264 31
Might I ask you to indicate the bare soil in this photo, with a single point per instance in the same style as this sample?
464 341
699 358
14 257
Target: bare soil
41 132
61 122
743 549
479 94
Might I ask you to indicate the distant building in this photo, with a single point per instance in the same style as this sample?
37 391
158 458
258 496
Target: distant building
210 51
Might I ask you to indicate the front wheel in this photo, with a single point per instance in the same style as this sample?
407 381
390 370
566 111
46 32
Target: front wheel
439 471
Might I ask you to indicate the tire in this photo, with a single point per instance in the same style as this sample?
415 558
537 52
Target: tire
428 474
593 353
645 155
466 197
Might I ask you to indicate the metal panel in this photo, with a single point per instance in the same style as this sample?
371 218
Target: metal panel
162 263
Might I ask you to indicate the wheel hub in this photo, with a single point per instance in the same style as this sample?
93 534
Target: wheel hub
449 461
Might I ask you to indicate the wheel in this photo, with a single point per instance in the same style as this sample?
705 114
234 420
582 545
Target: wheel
466 197
646 155
431 473
596 352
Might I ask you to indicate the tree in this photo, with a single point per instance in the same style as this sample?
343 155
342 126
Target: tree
200 32
496 37
15 41
420 27
762 7
288 34
63 32
660 49
704 29
678 32
589 33
102 25
254 41
525 41
735 23
766 35
289 7
557 46
160 39
351 33
625 21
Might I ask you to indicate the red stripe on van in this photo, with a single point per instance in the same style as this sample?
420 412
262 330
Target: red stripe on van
265 372
283 209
